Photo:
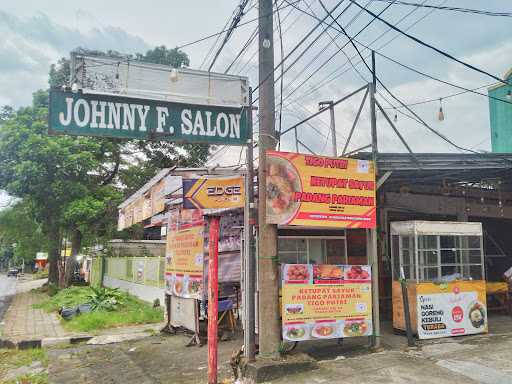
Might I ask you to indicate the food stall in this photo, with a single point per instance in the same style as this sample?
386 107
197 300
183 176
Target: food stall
442 264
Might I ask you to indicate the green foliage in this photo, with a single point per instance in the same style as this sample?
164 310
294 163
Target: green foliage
69 297
162 55
130 310
18 226
105 299
134 312
13 358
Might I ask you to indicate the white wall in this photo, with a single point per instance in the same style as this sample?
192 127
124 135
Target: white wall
143 292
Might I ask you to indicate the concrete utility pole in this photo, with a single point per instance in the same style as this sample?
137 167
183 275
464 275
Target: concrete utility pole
330 104
374 260
268 274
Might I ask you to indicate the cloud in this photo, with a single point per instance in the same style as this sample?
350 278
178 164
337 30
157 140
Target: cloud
29 45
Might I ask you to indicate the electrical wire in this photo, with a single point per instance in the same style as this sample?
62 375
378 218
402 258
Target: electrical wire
456 9
282 74
327 79
313 60
236 20
337 51
207 37
425 44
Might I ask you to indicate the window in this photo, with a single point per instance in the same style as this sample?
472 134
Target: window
298 250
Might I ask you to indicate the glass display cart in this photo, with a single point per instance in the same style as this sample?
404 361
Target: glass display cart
443 266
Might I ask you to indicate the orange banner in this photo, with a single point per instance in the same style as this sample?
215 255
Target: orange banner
213 192
316 191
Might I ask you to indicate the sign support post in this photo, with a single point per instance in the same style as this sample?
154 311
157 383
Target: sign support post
373 250
213 297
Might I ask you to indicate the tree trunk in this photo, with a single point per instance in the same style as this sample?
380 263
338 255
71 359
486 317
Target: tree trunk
53 253
76 245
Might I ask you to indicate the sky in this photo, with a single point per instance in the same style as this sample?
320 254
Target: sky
35 33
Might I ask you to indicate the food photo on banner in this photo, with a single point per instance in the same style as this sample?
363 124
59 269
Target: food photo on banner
184 261
316 191
325 301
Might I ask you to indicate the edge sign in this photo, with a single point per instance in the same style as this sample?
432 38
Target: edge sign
89 114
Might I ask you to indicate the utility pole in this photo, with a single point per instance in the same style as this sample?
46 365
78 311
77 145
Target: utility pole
250 260
375 339
268 273
330 104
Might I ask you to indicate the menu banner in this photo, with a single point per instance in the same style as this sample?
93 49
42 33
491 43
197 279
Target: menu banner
309 190
209 192
451 309
326 301
184 260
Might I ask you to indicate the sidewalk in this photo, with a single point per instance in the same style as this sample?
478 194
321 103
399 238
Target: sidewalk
23 322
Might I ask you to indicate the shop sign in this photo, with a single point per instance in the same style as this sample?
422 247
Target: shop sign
316 191
451 309
209 192
90 114
326 301
184 260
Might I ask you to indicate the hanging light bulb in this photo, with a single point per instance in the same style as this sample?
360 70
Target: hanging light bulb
174 75
440 115
395 118
509 95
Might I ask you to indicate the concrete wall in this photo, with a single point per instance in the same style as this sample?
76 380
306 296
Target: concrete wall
137 247
143 292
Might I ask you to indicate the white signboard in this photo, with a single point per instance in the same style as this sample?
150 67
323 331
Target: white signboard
453 312
184 313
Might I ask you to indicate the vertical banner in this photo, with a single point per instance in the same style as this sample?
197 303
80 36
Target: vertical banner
158 197
451 309
213 192
326 301
318 191
147 207
184 256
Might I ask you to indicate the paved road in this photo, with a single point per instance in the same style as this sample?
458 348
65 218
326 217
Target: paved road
7 291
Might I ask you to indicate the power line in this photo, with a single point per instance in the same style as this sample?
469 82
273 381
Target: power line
327 79
322 51
233 25
393 96
339 49
456 9
411 68
421 42
444 97
207 37
306 36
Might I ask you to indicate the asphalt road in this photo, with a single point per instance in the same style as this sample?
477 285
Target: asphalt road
7 291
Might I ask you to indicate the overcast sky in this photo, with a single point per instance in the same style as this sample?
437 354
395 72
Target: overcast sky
36 33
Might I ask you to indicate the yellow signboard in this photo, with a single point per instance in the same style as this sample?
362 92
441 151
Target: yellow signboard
326 301
451 309
309 190
213 192
184 260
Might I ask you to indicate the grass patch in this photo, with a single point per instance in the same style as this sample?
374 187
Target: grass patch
11 359
132 311
69 297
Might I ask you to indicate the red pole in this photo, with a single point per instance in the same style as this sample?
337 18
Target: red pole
213 297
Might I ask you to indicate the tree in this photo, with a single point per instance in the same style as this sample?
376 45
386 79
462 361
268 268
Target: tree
162 55
19 228
50 172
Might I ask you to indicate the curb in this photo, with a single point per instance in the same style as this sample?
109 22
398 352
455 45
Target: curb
39 343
